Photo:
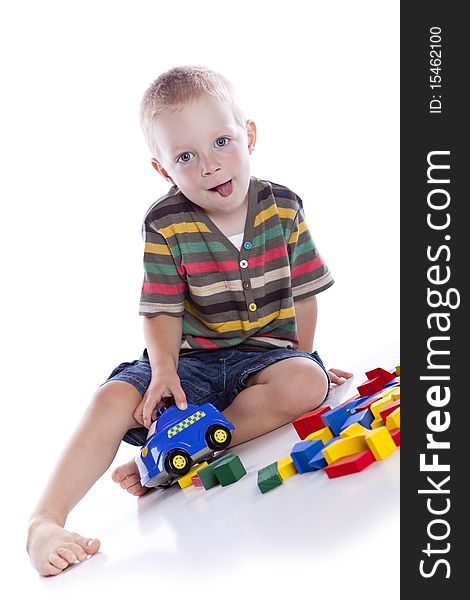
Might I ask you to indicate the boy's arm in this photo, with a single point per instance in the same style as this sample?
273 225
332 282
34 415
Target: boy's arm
163 339
306 317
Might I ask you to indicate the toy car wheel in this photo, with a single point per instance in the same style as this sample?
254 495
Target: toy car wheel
218 437
178 462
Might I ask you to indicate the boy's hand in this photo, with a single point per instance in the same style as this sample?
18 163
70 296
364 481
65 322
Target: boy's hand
164 384
338 376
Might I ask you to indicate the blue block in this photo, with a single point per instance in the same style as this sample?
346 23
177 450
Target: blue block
335 418
351 406
395 381
318 461
302 452
363 417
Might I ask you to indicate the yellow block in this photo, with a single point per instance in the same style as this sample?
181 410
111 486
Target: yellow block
324 435
376 423
380 443
354 429
185 481
393 420
396 395
345 447
286 467
377 406
397 370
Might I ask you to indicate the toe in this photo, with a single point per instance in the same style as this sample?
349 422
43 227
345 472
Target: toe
67 555
77 550
136 489
123 471
58 562
130 481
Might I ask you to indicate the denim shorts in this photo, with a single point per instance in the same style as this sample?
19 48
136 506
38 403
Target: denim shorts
215 376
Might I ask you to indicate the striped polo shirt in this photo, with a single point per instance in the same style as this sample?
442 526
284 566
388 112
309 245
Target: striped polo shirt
230 297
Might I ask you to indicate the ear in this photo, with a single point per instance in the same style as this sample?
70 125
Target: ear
160 169
251 135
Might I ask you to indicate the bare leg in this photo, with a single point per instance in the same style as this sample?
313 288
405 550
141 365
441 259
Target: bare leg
86 457
275 396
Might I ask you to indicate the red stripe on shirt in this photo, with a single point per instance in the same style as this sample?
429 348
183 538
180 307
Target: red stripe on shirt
307 267
163 288
205 343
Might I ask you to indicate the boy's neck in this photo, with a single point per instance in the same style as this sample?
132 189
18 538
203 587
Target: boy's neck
231 223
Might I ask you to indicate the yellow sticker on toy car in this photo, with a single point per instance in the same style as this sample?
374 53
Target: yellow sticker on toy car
186 423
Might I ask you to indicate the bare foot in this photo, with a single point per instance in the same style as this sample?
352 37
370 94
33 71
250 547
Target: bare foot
52 548
128 477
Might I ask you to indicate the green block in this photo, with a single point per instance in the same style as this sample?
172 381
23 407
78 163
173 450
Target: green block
230 470
269 478
206 474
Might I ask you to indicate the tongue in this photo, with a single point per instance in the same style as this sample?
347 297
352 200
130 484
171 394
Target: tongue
225 189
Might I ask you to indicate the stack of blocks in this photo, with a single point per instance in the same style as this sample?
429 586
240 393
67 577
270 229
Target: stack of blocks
347 438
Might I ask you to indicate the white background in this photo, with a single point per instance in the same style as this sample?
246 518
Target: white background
320 79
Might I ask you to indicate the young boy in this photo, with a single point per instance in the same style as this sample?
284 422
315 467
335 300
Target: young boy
228 301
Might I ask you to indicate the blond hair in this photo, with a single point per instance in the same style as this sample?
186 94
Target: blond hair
179 86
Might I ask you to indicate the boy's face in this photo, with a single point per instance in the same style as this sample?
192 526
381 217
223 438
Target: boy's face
206 153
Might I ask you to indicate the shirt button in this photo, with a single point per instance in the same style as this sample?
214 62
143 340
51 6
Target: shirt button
252 307
248 245
246 285
243 264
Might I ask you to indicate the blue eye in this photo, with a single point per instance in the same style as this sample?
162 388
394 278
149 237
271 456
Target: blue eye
185 157
221 142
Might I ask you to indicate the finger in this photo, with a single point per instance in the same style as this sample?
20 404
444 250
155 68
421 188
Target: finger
342 373
180 397
149 407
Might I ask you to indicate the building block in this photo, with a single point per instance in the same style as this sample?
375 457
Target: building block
345 447
371 386
207 475
352 405
364 418
389 409
394 382
197 481
335 418
325 435
286 467
376 423
230 470
186 480
378 405
354 429
310 422
268 478
393 420
379 372
304 451
318 461
380 443
397 370
350 464
395 435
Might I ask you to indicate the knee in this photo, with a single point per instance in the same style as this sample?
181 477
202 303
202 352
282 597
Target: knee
304 391
116 397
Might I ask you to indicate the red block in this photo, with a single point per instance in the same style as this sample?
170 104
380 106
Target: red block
366 404
371 386
350 464
395 433
379 372
310 422
389 409
197 481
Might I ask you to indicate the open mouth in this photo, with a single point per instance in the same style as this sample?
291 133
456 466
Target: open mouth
224 189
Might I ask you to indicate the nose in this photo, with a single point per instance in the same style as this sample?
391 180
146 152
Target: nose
209 165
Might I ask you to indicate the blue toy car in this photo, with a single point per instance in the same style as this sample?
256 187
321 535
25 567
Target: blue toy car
180 438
